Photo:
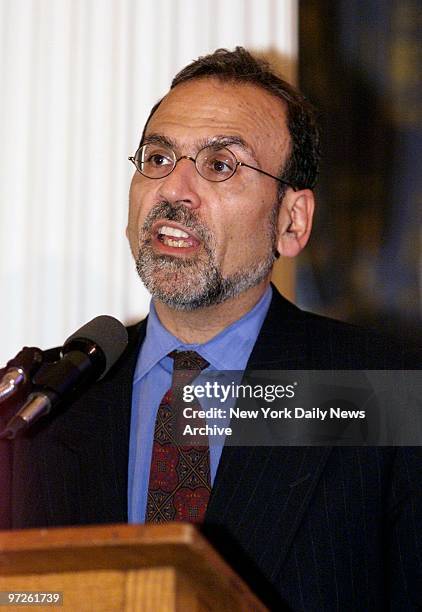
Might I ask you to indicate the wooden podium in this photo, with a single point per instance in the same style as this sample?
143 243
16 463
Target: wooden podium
145 568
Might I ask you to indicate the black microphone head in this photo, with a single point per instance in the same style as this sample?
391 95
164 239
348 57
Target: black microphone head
107 333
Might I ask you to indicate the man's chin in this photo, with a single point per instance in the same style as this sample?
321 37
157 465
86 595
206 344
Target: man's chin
182 299
194 295
177 285
187 285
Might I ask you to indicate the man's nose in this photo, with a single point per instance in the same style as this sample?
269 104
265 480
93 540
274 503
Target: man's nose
181 185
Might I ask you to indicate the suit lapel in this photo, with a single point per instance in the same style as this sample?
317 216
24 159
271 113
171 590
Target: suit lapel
282 342
249 479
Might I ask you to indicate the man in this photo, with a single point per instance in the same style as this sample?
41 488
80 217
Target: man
222 186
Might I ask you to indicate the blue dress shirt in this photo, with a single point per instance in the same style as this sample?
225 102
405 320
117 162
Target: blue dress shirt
229 350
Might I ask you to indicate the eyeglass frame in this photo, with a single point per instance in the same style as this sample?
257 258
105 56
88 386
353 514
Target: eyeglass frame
193 159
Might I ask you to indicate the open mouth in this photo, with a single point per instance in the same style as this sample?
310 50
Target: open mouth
173 236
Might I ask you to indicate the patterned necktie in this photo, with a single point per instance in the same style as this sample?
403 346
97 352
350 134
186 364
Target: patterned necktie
179 483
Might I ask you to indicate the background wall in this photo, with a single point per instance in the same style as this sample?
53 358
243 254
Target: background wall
77 79
360 63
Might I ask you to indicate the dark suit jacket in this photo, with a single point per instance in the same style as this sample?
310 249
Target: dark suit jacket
310 528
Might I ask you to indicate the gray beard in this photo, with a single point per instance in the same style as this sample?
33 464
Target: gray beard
188 284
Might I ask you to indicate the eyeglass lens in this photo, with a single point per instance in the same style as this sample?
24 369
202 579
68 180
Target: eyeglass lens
213 163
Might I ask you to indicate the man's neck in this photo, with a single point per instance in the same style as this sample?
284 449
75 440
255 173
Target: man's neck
200 325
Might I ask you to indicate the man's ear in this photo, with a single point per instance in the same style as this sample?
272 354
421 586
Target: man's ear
295 221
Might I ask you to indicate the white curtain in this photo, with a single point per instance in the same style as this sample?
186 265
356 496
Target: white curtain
77 79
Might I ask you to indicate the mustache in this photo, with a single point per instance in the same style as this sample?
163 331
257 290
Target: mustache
178 213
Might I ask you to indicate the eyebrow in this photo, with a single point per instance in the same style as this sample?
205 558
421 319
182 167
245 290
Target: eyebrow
158 139
221 140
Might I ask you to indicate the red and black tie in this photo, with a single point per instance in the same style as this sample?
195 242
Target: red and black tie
179 483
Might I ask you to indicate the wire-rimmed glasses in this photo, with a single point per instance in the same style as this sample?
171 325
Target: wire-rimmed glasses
214 162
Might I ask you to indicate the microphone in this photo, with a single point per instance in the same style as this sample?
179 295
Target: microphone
86 356
19 371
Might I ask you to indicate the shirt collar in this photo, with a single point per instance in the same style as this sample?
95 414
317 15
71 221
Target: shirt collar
229 350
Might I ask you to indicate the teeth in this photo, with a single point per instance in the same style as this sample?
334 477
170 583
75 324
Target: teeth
172 231
175 243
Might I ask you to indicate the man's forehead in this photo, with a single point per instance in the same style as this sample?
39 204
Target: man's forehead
206 109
